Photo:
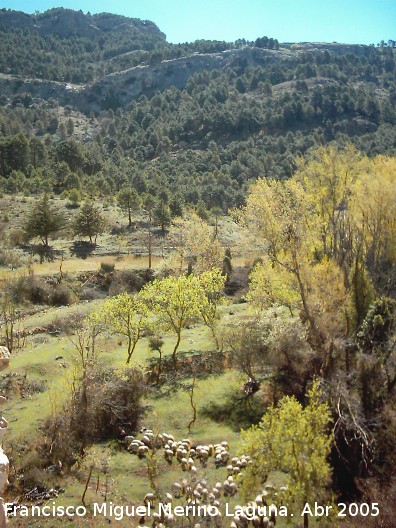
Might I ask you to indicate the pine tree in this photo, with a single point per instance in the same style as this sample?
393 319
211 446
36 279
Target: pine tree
128 201
43 221
89 222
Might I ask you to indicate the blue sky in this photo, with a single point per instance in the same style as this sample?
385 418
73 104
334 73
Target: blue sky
347 21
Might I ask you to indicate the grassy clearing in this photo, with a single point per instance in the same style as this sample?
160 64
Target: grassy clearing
77 265
37 361
168 408
165 412
123 249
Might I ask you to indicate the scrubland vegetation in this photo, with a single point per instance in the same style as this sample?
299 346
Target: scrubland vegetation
202 345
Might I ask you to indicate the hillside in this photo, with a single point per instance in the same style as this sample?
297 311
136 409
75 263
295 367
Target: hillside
198 120
66 45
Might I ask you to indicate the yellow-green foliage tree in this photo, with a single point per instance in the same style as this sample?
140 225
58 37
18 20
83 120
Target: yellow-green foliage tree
273 285
351 204
175 301
373 212
295 441
327 176
126 315
277 213
212 283
327 233
194 243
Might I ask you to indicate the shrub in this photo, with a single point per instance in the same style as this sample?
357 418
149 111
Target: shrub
107 267
61 296
10 258
126 281
68 323
29 289
120 404
104 403
15 237
378 325
37 291
74 197
293 360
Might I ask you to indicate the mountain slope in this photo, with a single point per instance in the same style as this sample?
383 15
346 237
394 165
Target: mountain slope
198 121
66 45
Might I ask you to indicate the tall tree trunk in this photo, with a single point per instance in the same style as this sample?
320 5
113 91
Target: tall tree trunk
131 348
176 347
149 247
159 366
312 325
162 219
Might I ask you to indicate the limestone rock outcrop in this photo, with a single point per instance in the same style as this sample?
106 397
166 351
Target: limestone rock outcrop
121 88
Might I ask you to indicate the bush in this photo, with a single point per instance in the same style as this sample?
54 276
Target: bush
378 325
15 237
119 406
294 362
104 404
37 291
126 281
68 323
74 197
107 267
29 289
61 296
10 258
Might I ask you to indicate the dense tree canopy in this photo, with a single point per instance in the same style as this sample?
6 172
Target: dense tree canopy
205 142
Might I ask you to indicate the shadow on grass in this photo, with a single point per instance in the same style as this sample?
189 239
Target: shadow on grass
82 249
237 411
45 253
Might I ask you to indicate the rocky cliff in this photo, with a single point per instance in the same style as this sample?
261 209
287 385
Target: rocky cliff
119 89
67 22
